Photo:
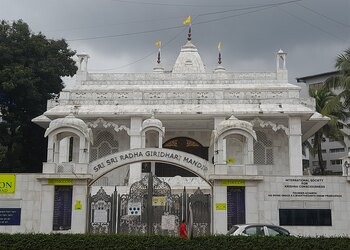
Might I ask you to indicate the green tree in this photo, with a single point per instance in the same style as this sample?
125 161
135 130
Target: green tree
330 105
341 82
31 67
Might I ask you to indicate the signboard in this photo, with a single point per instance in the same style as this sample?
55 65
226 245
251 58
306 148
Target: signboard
220 206
304 188
7 183
62 182
10 216
78 205
234 183
195 164
100 216
168 222
134 208
158 201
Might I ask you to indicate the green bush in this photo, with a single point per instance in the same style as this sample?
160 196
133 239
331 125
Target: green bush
101 241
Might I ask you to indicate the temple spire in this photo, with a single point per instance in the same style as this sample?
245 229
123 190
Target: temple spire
219 67
219 49
189 33
158 57
158 67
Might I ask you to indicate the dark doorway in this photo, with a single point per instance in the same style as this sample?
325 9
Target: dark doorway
235 206
183 144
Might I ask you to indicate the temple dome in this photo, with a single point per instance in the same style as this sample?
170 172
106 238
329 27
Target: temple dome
70 121
152 122
234 123
189 60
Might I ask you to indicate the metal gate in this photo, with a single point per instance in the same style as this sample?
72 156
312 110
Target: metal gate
149 208
102 212
199 213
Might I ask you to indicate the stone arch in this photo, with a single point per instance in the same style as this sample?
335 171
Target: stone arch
200 167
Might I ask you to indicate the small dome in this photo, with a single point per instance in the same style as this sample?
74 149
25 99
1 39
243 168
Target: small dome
234 123
189 60
152 122
69 121
281 52
219 69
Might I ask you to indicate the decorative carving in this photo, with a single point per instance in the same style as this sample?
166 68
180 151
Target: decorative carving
107 124
255 95
234 95
202 95
273 126
153 95
276 94
177 95
102 96
122 95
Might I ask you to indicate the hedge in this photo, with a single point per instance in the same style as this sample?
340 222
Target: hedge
101 241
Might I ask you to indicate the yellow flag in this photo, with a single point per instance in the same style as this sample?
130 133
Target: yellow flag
158 43
219 45
187 20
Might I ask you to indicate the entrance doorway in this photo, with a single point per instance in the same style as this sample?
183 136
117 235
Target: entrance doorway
235 206
184 144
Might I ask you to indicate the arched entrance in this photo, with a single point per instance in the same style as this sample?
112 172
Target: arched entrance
150 206
184 144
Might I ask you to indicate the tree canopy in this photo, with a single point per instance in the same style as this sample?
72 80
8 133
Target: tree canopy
334 106
31 67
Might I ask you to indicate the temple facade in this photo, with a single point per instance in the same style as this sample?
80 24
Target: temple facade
138 152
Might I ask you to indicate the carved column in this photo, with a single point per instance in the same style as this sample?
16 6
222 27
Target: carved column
295 147
135 142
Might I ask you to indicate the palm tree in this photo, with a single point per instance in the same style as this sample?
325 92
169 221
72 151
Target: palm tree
342 81
330 105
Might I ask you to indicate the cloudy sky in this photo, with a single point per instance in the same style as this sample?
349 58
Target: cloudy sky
119 35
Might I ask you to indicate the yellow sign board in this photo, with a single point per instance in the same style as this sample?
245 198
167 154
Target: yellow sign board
61 182
235 183
7 183
220 206
158 200
77 205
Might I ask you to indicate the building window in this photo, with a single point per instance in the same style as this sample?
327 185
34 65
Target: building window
335 162
305 217
337 150
62 208
263 151
324 151
104 145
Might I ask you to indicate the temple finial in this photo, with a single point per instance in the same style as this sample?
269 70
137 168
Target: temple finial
189 33
219 49
158 58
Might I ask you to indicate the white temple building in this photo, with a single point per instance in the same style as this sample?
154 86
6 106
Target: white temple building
139 152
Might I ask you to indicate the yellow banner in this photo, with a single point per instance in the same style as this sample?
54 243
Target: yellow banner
158 200
235 183
220 206
62 182
7 183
